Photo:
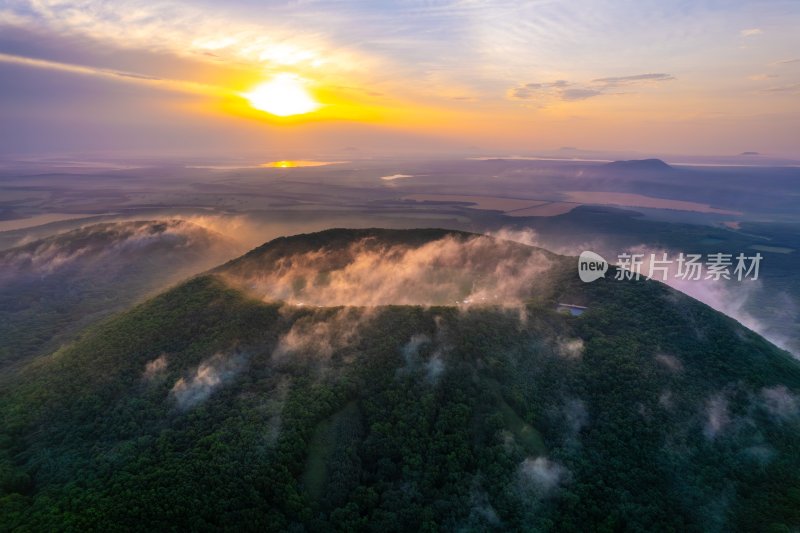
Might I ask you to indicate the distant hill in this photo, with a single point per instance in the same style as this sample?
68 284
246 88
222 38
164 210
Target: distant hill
218 405
51 287
641 165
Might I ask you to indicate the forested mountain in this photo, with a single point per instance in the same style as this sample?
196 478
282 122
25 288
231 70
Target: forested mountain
287 390
53 287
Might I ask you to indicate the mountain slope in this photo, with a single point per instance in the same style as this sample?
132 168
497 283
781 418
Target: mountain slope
208 407
52 287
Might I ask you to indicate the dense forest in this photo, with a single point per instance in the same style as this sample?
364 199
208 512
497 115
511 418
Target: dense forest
207 407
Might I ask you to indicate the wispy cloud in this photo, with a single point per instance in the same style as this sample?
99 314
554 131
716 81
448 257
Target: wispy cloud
445 271
183 30
791 89
781 402
717 416
571 92
751 32
620 81
532 90
116 75
577 93
540 477
556 90
761 77
155 367
203 380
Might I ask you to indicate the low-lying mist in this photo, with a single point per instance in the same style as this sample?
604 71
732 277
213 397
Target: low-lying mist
123 242
741 300
452 270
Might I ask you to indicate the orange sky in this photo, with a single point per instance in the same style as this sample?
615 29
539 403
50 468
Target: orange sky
136 76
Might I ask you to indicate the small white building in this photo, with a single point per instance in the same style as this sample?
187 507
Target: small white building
574 310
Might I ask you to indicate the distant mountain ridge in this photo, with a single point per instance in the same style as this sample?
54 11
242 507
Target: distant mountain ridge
648 165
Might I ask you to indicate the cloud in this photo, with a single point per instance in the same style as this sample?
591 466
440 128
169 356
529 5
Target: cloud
670 362
469 271
321 334
573 95
155 367
733 298
788 61
572 92
791 89
717 416
665 399
621 81
761 77
751 32
530 238
576 415
205 379
482 510
559 90
411 348
434 366
541 475
524 236
96 243
570 348
761 454
185 30
572 416
244 231
117 75
780 402
450 50
530 90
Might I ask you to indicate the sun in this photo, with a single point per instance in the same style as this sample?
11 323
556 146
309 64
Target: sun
284 95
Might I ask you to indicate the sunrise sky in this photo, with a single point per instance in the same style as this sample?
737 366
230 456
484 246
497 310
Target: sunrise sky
238 77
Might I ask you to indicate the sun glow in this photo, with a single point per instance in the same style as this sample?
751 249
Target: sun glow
297 163
284 95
